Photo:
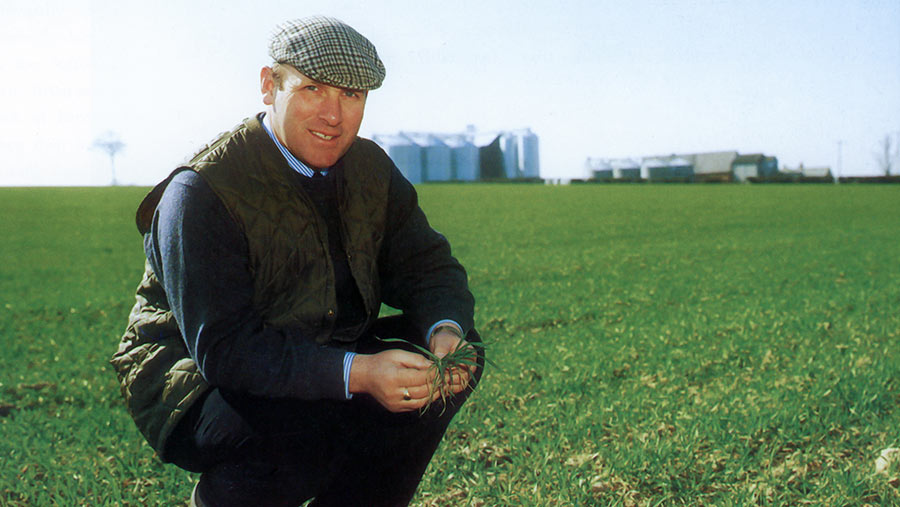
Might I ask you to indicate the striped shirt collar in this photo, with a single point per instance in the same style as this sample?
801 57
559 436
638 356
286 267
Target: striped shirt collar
292 161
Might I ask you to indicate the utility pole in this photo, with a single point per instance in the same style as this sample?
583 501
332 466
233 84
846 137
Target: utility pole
840 144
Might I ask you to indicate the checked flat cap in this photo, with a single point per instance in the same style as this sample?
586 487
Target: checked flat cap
328 50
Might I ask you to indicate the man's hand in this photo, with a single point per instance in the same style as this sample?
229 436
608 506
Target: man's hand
392 376
444 342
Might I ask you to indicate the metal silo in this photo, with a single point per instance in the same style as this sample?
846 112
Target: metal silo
463 158
405 154
529 155
510 147
435 156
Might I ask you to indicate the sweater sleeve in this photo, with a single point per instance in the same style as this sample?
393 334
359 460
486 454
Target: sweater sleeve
418 273
201 257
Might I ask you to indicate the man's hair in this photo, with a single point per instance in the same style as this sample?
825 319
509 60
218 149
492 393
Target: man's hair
278 75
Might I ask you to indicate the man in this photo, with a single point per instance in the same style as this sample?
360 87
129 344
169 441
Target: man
252 354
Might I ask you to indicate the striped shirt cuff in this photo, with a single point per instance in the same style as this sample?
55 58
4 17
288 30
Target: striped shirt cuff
348 362
435 326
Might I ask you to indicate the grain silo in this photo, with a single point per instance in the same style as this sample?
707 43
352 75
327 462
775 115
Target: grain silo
529 155
509 144
435 156
463 158
406 155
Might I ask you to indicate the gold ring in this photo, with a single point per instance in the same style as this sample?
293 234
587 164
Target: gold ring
406 395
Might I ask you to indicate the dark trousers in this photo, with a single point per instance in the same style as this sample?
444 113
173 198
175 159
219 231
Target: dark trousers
260 451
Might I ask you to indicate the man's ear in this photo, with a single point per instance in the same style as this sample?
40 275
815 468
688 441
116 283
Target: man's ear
267 85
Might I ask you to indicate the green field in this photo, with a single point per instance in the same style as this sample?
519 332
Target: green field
659 345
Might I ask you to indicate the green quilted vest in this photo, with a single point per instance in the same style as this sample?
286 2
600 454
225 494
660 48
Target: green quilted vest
288 247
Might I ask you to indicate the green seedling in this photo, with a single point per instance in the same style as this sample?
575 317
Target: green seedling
442 368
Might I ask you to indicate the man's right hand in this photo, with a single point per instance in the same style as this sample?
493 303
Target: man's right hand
390 377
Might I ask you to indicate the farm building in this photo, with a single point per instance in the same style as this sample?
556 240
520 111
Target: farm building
406 155
718 166
625 169
680 169
435 156
712 166
599 169
672 168
756 165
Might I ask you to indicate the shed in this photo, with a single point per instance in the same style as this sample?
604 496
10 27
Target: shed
405 154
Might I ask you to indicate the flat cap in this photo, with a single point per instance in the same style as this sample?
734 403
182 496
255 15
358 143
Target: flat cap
328 50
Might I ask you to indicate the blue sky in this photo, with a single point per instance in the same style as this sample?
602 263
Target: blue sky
592 79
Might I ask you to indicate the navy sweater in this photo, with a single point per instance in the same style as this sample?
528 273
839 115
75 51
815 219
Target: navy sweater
201 258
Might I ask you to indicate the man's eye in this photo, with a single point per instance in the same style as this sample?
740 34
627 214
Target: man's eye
351 93
312 88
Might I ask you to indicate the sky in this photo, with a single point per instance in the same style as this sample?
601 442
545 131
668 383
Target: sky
811 82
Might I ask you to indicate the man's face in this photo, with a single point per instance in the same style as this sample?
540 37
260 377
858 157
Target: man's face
316 122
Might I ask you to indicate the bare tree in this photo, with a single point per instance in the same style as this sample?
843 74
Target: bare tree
887 153
112 145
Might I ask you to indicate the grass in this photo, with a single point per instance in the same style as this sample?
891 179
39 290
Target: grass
659 345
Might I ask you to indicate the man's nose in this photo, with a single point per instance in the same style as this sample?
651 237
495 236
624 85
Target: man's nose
330 109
